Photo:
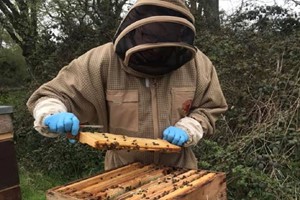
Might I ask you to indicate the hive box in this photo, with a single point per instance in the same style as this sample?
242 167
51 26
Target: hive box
9 178
138 181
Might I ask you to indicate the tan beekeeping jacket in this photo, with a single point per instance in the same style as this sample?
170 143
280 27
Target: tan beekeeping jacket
100 89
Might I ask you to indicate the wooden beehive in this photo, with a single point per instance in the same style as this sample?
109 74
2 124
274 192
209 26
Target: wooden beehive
9 177
137 181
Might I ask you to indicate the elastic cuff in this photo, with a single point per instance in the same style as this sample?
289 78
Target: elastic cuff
193 128
43 109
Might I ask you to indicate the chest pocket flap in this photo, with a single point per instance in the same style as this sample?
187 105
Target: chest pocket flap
123 109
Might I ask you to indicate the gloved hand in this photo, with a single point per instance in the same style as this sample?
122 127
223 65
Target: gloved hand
62 123
175 135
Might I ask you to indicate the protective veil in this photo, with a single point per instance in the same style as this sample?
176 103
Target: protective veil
156 37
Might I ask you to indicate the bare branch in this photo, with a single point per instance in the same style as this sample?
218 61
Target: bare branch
297 2
10 31
6 11
12 8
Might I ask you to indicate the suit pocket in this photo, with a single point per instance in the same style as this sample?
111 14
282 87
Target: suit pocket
182 99
123 109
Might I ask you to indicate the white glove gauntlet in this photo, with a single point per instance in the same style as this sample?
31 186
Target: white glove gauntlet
193 128
44 108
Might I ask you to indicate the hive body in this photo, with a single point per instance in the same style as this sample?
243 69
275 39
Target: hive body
137 181
9 178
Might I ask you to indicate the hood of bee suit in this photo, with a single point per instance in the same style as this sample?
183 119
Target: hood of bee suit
156 37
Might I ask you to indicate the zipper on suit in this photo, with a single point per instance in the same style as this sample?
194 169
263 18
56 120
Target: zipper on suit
153 87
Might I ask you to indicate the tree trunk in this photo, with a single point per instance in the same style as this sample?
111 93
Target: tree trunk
1 37
193 4
207 11
211 13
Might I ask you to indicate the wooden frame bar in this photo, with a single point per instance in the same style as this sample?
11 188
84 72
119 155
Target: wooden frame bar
107 141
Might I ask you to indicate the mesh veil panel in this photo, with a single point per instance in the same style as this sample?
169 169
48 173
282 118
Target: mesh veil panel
164 58
170 58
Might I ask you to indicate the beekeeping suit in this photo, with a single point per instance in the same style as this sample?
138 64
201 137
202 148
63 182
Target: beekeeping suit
149 78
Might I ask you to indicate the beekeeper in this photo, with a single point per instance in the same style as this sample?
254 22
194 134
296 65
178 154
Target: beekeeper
150 82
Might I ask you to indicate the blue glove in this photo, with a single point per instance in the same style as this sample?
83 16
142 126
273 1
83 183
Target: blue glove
62 123
175 135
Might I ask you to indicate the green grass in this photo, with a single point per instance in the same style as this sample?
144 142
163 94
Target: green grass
35 184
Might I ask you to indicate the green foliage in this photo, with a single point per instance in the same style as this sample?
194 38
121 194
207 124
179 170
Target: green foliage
19 19
12 68
267 18
257 142
58 156
82 25
34 184
262 164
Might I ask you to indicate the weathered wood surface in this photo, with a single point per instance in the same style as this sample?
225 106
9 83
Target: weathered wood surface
12 193
6 136
137 181
9 170
6 124
9 176
113 141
